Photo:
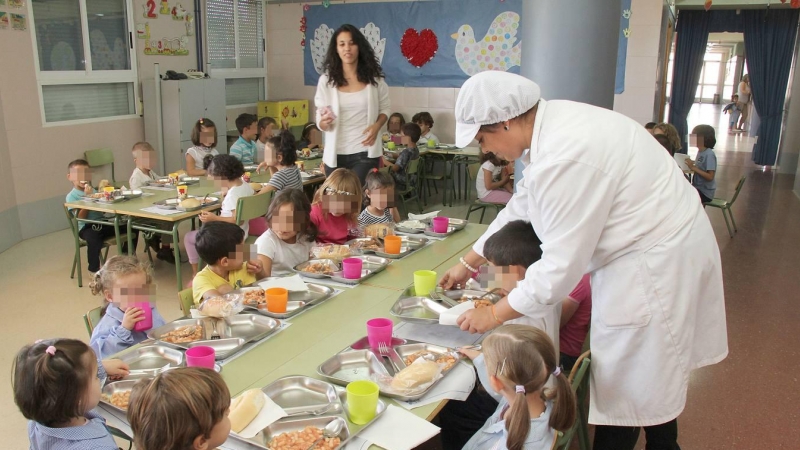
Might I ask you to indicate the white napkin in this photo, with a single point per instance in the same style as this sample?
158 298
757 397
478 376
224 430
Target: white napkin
268 414
456 385
680 159
451 316
398 429
425 216
293 283
444 335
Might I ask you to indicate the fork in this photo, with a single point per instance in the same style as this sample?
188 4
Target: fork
383 349
214 333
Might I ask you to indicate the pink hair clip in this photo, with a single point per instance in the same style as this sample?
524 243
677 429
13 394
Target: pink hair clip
557 372
520 389
51 350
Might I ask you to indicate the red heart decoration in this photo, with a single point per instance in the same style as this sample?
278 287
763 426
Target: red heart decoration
795 4
419 48
707 5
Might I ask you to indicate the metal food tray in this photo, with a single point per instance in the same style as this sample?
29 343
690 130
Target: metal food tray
300 395
450 230
209 201
152 359
459 224
298 301
161 182
129 194
300 268
452 297
362 250
116 199
169 203
188 180
418 310
113 388
288 425
370 266
404 251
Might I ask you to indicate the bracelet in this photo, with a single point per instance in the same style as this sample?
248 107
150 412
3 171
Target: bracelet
494 314
464 263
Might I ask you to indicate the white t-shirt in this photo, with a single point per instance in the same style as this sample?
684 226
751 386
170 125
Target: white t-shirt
480 184
423 140
139 178
352 120
284 256
231 201
198 153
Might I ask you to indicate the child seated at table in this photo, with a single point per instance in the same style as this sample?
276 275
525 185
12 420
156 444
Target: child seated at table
80 175
409 136
122 281
144 156
310 137
291 235
494 183
204 140
226 171
184 408
393 128
244 149
705 166
56 386
230 267
516 363
280 155
336 207
266 129
379 195
425 122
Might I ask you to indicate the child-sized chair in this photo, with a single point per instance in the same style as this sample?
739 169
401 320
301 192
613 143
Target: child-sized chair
186 299
412 187
101 157
80 243
725 206
478 204
428 175
579 380
251 207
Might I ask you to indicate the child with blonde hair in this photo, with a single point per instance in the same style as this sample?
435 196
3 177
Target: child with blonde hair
336 207
122 281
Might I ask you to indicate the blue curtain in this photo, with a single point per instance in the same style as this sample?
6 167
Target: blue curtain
690 48
769 38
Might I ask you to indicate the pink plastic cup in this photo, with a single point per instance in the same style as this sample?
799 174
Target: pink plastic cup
352 268
200 356
379 331
440 224
147 322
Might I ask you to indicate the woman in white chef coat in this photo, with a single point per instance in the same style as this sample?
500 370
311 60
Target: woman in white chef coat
606 199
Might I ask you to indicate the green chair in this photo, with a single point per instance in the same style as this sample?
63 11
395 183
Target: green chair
101 157
580 385
92 318
186 299
251 207
79 243
472 172
428 176
725 206
411 188
461 165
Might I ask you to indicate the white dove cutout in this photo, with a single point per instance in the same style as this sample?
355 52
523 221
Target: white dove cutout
322 40
496 51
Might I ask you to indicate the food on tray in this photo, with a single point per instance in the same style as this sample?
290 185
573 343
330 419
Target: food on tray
331 251
118 399
482 303
445 359
184 334
217 307
303 439
254 297
416 375
367 244
378 230
306 152
412 225
96 195
190 203
256 186
245 408
318 268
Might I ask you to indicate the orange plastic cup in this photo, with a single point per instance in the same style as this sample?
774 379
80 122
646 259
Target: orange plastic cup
392 244
277 299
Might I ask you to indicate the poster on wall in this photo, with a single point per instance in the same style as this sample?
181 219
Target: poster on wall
16 3
19 22
3 20
422 44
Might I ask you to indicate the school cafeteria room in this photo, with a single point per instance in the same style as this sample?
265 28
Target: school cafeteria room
400 224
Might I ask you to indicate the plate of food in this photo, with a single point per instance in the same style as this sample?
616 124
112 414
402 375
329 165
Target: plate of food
365 245
411 226
117 394
317 268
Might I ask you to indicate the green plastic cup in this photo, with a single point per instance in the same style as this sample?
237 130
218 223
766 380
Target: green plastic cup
362 401
424 282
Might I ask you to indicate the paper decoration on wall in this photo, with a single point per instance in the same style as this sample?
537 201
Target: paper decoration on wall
16 4
2 2
322 39
795 4
622 46
164 8
306 6
19 22
177 46
419 48
373 35
303 31
189 25
326 3
140 30
707 5
150 10
179 13
3 20
497 50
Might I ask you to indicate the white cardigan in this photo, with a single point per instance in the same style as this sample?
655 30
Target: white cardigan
378 103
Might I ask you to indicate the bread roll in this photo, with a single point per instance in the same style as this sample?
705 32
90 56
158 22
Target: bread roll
416 374
245 408
103 183
190 203
216 307
256 186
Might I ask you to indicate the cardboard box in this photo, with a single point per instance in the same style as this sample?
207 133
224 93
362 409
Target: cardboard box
293 111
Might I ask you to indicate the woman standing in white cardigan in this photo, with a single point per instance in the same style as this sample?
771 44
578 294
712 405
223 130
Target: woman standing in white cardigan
352 104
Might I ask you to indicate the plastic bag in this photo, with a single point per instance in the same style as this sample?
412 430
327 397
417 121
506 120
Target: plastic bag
224 306
415 378
331 251
377 230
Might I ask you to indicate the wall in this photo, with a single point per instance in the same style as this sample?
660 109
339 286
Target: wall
9 215
788 161
638 101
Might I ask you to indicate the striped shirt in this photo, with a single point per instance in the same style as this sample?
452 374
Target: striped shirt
288 178
365 218
93 434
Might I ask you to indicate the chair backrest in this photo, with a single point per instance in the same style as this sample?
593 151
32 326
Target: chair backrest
92 318
738 188
413 166
472 170
100 157
251 207
73 223
186 299
579 381
384 169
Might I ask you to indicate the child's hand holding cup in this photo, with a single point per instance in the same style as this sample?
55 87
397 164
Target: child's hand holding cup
132 317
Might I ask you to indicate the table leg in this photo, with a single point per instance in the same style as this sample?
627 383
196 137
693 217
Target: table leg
116 234
130 235
177 253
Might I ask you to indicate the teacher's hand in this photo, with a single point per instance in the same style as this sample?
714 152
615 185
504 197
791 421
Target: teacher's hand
457 275
326 123
478 320
372 134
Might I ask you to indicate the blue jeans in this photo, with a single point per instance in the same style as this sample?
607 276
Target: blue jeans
359 163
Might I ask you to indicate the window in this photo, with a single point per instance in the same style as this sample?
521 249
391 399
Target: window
85 63
236 48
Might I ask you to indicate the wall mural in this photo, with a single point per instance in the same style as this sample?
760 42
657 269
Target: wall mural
164 45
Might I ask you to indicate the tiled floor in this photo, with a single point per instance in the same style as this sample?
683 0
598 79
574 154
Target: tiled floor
748 401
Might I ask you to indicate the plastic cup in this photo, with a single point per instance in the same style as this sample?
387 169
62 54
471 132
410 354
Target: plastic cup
440 224
391 145
147 322
362 401
352 268
277 299
182 190
379 331
392 244
200 356
431 144
424 282
108 193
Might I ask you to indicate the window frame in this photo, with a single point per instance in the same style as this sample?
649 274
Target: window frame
87 75
239 72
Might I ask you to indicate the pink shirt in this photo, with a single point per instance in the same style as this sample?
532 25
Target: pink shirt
332 229
573 333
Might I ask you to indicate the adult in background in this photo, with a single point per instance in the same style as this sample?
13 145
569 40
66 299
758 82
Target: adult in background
744 100
605 199
352 103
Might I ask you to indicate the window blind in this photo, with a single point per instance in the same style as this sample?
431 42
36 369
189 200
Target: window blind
58 34
243 91
87 101
220 34
251 34
108 34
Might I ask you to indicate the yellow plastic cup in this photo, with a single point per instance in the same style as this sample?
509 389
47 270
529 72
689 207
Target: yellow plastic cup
392 244
362 401
391 145
277 300
424 282
431 144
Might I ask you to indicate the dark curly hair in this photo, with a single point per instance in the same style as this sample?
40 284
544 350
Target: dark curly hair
285 146
368 69
226 167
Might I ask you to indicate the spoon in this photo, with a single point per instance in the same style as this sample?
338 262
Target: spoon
331 430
